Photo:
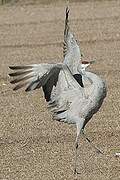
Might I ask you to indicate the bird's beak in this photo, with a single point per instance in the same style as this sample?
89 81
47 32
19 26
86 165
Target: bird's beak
92 62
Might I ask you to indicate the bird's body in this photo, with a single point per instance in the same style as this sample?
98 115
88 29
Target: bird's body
73 94
96 94
74 104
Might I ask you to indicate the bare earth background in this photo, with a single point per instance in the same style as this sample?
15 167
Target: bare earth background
32 145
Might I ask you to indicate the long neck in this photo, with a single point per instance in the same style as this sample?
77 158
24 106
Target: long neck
98 86
94 78
73 65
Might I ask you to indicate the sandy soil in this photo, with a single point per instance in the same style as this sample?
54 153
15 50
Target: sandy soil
32 145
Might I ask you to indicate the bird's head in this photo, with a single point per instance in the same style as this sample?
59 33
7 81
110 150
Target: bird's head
84 65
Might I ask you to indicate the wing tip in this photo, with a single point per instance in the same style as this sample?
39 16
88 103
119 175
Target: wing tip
21 67
10 74
11 67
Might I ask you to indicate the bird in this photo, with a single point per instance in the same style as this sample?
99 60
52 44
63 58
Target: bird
73 94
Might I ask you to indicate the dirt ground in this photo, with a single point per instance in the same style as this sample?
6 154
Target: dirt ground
32 145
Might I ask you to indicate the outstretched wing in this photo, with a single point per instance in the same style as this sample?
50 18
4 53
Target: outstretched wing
71 50
36 76
47 76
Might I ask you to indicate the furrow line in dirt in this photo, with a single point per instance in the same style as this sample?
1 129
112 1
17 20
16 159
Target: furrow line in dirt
59 20
58 44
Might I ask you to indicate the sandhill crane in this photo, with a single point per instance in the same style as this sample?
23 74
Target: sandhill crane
73 94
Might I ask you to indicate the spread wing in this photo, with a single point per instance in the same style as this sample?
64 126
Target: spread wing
71 50
47 76
35 76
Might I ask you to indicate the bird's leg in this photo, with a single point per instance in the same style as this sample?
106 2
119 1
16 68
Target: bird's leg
79 125
76 148
87 139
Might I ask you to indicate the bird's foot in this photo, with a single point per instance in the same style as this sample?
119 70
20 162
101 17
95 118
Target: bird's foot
99 151
76 172
96 148
76 145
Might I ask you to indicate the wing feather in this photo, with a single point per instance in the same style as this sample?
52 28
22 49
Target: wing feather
31 75
18 73
23 78
19 86
21 67
48 76
36 76
71 50
67 92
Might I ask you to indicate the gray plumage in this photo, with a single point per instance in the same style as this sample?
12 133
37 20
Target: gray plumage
73 94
